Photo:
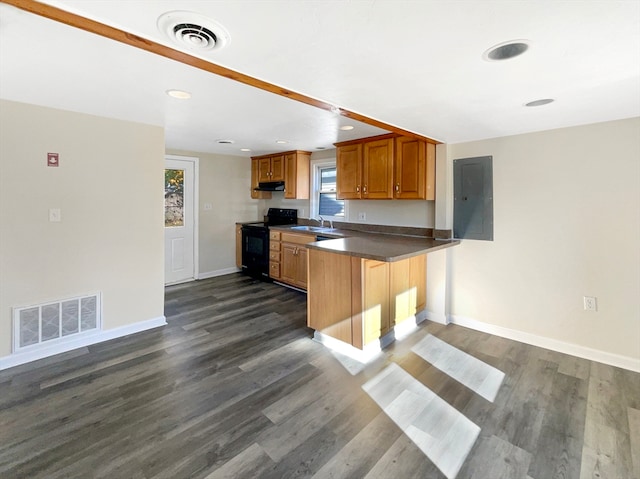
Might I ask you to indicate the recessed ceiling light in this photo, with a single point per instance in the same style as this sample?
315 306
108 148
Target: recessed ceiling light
506 50
282 142
193 31
544 101
245 149
346 127
224 142
181 95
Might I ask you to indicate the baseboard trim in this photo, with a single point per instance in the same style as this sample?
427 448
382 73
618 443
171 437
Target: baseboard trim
218 272
584 352
437 317
24 357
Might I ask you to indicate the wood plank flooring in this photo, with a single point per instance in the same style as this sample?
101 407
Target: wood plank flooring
234 387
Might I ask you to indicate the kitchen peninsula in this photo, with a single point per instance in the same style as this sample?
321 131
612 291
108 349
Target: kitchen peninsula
361 287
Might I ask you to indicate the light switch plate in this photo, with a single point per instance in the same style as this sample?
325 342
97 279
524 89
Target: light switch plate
55 216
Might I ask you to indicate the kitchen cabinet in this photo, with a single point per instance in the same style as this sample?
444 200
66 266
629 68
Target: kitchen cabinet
239 246
385 167
414 164
296 175
275 255
293 258
359 300
377 169
292 167
271 168
255 179
348 171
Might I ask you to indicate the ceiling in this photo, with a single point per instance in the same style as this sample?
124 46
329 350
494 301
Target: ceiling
416 65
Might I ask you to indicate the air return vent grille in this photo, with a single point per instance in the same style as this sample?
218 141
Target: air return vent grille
55 322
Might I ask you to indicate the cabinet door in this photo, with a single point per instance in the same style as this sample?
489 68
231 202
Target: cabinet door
301 271
375 299
289 263
377 170
407 288
239 246
348 171
290 176
255 178
410 169
277 168
264 169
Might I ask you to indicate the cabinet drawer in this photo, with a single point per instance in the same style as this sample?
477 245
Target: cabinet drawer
274 256
274 245
297 238
274 270
274 235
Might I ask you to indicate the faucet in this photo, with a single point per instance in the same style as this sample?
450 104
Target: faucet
321 221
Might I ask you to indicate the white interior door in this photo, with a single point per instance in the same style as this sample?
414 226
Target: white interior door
179 220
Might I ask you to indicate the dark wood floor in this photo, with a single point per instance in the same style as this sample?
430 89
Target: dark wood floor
234 387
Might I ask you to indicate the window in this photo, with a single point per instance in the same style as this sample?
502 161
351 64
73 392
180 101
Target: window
324 202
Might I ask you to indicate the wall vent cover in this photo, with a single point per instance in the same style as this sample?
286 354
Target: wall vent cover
56 321
193 31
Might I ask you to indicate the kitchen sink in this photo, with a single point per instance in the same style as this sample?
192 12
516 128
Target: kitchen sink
314 229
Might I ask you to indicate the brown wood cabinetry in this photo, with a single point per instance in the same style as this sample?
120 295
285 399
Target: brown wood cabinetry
377 169
275 254
255 179
296 179
239 246
359 300
271 168
294 259
386 167
348 168
414 175
292 167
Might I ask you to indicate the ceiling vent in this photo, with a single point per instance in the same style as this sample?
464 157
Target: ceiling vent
193 31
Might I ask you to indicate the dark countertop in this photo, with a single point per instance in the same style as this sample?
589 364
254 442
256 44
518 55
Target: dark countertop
376 246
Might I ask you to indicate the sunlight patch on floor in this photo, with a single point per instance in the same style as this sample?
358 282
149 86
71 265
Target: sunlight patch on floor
442 433
477 375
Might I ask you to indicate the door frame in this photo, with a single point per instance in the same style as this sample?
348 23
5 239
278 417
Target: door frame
196 207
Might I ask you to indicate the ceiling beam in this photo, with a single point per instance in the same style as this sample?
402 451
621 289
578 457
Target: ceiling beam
92 26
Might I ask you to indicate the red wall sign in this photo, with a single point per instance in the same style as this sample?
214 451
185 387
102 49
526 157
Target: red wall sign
52 159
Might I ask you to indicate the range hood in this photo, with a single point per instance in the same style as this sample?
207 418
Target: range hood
270 186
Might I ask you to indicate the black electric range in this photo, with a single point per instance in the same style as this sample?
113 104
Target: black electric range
255 241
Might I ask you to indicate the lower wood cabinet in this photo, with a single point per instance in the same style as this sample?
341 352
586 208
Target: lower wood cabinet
359 300
291 265
239 246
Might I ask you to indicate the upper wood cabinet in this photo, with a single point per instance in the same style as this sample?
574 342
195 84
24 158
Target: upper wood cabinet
414 175
377 169
255 179
292 167
386 167
348 168
296 175
271 168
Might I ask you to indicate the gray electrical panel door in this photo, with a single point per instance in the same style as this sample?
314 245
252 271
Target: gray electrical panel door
473 198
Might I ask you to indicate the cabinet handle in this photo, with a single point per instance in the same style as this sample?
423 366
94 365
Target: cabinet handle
397 186
358 189
364 189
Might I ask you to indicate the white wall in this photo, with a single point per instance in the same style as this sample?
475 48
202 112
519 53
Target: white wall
225 182
109 189
567 225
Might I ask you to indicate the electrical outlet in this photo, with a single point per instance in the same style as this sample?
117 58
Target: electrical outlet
208 206
302 213
590 303
362 216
